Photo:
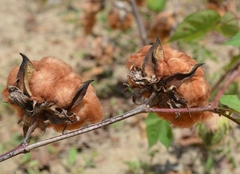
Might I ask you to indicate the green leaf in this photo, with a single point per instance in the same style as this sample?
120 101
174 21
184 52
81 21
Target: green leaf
72 156
134 166
156 5
228 25
31 171
158 130
196 25
26 158
235 41
209 164
33 163
231 101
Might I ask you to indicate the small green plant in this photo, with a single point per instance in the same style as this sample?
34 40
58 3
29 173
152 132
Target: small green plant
137 167
72 157
158 130
90 161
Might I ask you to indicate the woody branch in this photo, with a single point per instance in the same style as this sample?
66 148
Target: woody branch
24 148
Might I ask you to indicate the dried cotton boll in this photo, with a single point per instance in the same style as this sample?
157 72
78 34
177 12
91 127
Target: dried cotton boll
120 16
176 79
48 93
221 7
90 9
141 3
101 49
161 25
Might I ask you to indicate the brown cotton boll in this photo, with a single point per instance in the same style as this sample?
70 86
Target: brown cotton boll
141 3
88 21
176 79
161 25
56 76
120 16
166 66
101 49
89 110
184 120
221 7
90 9
51 94
216 8
93 6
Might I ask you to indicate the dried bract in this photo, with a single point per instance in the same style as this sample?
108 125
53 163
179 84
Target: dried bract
90 9
101 50
161 25
47 93
175 78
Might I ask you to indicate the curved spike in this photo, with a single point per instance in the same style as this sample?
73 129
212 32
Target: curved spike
177 78
158 52
25 73
79 95
154 54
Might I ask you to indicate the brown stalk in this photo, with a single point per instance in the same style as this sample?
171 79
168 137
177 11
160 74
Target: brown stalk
231 77
225 76
141 28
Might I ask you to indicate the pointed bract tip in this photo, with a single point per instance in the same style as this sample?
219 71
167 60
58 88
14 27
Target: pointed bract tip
89 81
200 64
79 95
158 39
24 57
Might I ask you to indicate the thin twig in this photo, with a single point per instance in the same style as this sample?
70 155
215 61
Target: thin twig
181 110
231 77
229 117
221 112
224 76
141 28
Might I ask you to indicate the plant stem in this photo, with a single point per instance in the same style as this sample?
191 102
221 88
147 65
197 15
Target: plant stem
224 76
230 78
141 28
